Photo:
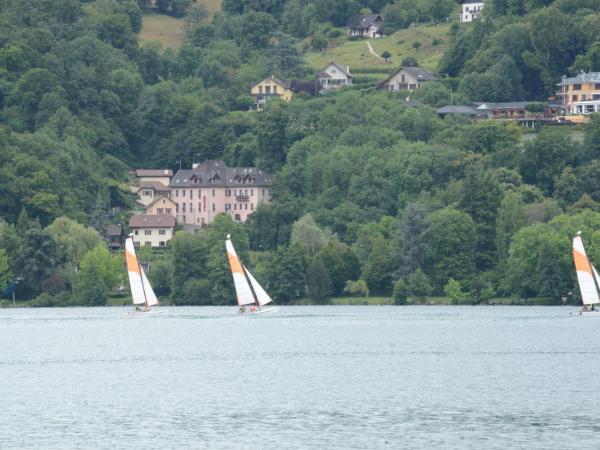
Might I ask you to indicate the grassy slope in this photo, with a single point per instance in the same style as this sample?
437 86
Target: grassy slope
169 31
399 45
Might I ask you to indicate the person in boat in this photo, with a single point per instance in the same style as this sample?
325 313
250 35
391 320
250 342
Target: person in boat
242 309
253 308
138 309
593 308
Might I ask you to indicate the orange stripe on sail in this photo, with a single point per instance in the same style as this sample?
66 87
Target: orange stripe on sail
581 262
234 263
132 264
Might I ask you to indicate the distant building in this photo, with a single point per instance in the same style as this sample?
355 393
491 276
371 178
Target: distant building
580 94
406 78
459 110
152 231
365 25
115 237
271 87
212 188
161 175
151 190
470 10
334 76
513 110
284 89
161 205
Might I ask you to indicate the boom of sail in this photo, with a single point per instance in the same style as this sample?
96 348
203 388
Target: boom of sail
141 291
587 276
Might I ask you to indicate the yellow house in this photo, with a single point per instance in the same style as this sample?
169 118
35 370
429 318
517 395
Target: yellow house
271 87
580 95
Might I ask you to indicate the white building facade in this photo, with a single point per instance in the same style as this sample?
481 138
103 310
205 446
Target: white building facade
470 11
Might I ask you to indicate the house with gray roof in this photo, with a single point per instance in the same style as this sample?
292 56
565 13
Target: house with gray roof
334 76
406 78
212 188
365 25
580 95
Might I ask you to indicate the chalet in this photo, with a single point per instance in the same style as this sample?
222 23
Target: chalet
470 10
365 25
406 78
271 87
162 205
334 76
150 191
115 237
152 231
580 95
212 188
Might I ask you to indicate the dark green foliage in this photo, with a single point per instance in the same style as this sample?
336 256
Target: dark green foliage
318 284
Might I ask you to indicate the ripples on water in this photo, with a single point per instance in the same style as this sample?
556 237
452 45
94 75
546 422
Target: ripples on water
311 377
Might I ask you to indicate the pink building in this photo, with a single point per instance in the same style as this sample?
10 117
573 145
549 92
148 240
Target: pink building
211 188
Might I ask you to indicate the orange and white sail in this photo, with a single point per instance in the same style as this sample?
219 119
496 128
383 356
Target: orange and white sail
242 288
586 273
135 273
261 295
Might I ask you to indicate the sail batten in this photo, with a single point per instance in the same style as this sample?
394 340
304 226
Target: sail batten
585 274
242 288
135 274
261 295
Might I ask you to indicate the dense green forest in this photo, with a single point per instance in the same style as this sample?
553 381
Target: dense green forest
370 195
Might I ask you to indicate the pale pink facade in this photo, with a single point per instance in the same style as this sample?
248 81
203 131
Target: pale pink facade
212 188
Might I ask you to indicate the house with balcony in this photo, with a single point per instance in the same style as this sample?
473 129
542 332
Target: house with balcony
115 237
334 76
152 231
365 25
162 205
269 88
212 188
470 10
580 95
406 78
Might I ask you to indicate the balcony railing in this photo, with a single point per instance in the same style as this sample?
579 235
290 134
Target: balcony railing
242 198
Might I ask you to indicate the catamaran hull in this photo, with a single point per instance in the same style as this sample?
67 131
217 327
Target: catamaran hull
588 313
271 309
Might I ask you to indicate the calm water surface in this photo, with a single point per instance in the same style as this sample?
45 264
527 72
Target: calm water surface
311 377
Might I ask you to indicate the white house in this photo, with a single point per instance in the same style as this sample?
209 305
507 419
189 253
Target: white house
152 231
470 11
366 25
406 78
334 76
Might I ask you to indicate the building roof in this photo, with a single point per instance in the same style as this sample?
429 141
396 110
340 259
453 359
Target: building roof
416 72
363 21
214 173
324 74
488 106
458 109
283 83
154 185
582 77
151 221
115 230
153 173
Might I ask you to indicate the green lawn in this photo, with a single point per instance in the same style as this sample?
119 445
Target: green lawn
170 32
399 45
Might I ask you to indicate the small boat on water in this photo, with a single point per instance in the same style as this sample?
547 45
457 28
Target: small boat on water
251 296
142 294
588 279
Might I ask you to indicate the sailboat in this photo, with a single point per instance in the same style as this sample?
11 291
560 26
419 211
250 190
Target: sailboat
141 291
588 279
249 291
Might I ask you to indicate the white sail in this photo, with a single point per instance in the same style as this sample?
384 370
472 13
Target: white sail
261 295
133 270
585 274
242 288
150 295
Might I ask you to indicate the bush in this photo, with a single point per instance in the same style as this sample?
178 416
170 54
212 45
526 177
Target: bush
358 288
454 291
401 292
334 33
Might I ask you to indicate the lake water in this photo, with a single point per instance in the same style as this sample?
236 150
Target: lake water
319 377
